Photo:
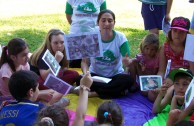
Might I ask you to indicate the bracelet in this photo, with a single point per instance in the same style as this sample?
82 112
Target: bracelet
85 88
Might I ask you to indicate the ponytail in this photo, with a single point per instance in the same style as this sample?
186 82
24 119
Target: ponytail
14 47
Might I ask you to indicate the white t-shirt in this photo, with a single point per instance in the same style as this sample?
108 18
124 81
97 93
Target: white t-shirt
111 62
84 16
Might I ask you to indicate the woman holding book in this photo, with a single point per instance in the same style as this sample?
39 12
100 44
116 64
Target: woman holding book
115 50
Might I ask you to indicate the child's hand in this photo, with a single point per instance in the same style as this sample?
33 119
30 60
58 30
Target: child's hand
163 90
155 91
86 80
179 98
126 60
143 66
173 116
168 82
59 56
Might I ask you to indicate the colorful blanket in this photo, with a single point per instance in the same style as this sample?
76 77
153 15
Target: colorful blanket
137 109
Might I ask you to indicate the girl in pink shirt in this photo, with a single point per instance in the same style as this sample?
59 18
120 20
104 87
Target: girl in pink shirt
146 63
14 58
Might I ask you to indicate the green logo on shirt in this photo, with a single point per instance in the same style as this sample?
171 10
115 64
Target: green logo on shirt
87 8
108 56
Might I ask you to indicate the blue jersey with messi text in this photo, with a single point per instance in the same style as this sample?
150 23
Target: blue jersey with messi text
23 113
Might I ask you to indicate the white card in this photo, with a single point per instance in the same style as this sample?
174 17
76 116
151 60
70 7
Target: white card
0 50
101 79
84 45
189 48
189 94
150 82
167 68
57 84
50 60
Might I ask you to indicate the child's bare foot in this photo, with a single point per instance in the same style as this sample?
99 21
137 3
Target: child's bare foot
92 94
75 90
63 102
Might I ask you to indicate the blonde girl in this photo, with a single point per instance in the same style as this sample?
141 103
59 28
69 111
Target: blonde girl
54 42
146 62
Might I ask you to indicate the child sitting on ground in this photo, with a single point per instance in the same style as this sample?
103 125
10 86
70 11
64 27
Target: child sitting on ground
14 58
23 86
146 63
108 113
51 116
175 94
176 115
174 47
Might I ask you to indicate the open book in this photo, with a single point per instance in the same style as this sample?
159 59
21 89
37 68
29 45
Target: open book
101 79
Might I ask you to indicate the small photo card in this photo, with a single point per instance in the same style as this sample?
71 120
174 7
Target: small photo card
189 94
57 84
167 68
189 48
83 45
150 82
165 26
50 60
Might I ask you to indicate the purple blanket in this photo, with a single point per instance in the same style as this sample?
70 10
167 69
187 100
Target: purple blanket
137 109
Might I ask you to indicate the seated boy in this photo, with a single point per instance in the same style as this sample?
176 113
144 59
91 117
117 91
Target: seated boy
23 86
176 115
173 95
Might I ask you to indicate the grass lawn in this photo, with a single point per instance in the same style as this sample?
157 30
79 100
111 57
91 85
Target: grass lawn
32 19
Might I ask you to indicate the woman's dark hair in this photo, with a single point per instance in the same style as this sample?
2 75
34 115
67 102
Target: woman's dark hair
14 47
109 112
105 11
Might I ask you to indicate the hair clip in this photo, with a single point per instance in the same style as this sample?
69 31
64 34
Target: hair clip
107 114
48 120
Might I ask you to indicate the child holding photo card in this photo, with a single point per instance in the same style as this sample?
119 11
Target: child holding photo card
174 47
15 58
54 42
177 115
175 94
146 63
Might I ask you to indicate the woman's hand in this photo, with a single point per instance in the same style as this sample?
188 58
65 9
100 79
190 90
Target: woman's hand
126 60
59 56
